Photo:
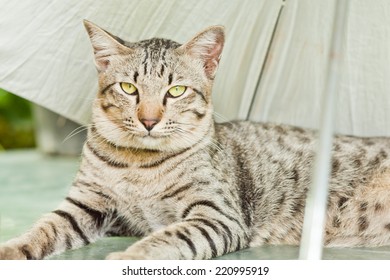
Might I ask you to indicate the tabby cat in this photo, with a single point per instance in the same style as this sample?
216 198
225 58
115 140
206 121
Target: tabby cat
156 165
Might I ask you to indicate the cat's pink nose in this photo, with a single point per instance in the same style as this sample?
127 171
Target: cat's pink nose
149 123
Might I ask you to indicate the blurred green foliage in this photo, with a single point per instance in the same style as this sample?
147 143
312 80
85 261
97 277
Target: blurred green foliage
16 122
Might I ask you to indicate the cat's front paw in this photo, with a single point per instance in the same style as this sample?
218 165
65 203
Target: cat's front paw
125 256
11 253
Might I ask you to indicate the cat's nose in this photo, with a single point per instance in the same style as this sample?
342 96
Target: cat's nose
149 123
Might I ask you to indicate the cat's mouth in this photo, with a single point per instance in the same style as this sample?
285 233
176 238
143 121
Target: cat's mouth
155 135
152 135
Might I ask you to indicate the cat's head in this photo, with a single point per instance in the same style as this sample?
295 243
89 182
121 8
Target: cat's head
155 94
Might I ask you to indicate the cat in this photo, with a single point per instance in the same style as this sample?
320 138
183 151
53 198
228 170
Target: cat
156 165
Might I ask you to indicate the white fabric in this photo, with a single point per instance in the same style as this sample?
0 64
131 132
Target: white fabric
291 87
46 57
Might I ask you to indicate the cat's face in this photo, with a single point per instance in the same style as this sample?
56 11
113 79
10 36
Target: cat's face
155 94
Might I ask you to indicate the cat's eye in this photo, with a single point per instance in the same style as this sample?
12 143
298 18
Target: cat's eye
128 88
176 91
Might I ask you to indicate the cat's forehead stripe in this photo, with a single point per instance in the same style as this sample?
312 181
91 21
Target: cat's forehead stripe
156 44
136 74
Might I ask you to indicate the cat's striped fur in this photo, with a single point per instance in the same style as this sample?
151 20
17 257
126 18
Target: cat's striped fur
159 167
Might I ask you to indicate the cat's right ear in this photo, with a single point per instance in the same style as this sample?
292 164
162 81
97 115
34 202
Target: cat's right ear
105 45
207 45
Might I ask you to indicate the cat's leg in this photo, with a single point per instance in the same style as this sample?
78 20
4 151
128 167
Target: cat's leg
78 221
199 236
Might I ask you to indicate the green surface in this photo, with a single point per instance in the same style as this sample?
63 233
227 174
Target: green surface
32 184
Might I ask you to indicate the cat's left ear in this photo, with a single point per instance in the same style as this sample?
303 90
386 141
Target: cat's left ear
105 45
208 46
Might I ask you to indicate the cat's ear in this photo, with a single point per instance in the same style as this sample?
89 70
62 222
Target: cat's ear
208 46
105 45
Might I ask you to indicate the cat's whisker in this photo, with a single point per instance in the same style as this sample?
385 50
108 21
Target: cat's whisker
221 117
76 131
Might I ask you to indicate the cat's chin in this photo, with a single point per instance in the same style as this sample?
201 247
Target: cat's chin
160 144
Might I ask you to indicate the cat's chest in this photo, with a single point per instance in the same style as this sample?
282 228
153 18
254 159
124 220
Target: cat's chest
141 200
150 211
